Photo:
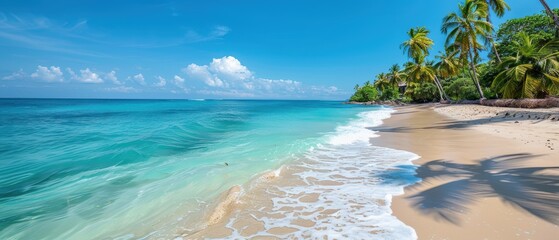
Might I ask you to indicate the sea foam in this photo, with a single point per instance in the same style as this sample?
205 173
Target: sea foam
345 189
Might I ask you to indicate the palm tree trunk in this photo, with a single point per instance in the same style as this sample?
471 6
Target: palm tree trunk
550 13
491 39
474 76
440 91
441 88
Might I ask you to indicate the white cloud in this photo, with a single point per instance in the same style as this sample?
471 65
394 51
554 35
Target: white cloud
139 78
86 76
228 77
15 75
222 72
229 67
52 74
179 82
202 73
111 76
162 82
122 89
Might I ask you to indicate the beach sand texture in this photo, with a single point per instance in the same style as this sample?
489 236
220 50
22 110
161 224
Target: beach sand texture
485 174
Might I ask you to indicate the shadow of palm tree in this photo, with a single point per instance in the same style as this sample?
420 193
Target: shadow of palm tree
532 189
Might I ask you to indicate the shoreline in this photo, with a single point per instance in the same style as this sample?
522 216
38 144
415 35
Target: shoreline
480 178
314 195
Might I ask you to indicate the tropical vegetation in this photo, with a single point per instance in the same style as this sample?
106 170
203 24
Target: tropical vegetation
519 59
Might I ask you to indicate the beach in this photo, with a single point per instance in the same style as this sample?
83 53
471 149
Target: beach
486 173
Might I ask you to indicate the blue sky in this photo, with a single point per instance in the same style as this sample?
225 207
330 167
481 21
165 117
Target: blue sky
210 49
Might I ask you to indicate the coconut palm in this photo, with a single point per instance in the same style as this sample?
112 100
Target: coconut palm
418 44
417 48
382 82
395 75
533 72
420 70
468 30
448 65
551 14
499 7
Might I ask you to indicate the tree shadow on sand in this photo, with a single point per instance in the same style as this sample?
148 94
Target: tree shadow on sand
532 189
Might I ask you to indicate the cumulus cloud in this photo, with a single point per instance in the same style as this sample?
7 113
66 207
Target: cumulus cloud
48 74
229 77
15 75
85 76
139 78
202 73
222 72
161 82
179 82
230 67
111 76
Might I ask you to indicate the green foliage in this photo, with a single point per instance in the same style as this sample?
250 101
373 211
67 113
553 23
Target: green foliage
487 72
532 73
390 93
461 89
489 93
365 94
539 27
422 92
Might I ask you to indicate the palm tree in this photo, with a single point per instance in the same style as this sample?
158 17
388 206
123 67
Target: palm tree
551 14
396 76
533 72
499 7
417 48
356 87
419 71
382 82
467 29
448 65
418 44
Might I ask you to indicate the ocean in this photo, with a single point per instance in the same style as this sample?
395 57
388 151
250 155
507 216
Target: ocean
141 169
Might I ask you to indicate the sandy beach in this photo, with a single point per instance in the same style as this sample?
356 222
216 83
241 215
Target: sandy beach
487 173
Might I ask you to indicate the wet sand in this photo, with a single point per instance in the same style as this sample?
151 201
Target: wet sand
486 174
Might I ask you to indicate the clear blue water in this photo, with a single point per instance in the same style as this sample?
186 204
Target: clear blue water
89 169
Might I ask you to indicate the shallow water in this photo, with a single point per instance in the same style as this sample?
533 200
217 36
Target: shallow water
340 189
90 169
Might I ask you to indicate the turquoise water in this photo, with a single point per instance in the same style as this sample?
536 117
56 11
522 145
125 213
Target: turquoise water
89 169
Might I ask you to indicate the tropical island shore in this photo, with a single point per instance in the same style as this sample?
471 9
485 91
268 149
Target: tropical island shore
487 173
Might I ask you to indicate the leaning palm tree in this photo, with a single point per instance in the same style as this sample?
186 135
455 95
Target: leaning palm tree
499 7
420 70
533 72
418 44
551 14
468 31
